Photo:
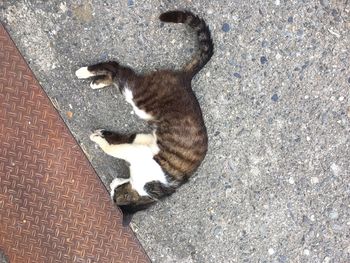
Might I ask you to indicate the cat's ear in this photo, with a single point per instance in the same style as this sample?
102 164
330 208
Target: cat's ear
128 213
127 218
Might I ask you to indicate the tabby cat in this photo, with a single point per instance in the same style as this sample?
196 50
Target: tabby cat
159 162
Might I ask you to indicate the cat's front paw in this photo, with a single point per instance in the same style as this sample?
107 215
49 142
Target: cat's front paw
98 136
84 73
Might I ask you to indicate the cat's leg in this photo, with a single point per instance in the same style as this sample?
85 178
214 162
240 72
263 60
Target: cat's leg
139 138
84 73
147 139
121 146
106 74
114 137
111 68
102 73
143 138
101 81
105 68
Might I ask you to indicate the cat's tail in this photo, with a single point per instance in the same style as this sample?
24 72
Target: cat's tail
206 46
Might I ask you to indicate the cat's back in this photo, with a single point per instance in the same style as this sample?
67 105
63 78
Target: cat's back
183 144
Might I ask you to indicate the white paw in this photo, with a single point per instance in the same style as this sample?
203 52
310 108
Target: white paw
83 73
97 86
115 183
97 137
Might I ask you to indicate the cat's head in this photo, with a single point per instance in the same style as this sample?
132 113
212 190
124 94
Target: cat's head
129 201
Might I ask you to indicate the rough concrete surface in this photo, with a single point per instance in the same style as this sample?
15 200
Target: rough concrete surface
3 258
275 184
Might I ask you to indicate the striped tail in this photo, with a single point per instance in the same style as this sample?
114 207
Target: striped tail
206 46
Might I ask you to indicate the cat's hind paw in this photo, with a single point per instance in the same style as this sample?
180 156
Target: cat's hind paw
95 85
84 73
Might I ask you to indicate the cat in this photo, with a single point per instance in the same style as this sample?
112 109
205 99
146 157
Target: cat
159 162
